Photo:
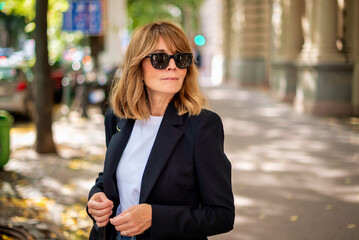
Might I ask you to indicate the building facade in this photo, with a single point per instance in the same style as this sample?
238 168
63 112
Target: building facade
305 51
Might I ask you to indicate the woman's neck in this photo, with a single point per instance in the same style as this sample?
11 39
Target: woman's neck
158 104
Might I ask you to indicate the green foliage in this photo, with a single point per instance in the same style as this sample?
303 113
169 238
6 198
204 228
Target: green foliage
24 8
144 11
183 12
57 39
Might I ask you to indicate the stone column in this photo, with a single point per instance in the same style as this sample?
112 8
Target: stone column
324 76
289 32
308 26
326 32
354 11
249 41
227 41
287 44
321 33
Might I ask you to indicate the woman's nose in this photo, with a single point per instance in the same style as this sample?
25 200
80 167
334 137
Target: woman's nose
171 65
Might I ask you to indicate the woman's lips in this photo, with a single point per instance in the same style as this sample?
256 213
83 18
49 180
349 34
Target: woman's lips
170 78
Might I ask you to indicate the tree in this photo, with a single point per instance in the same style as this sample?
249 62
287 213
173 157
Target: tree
48 19
57 39
43 88
184 12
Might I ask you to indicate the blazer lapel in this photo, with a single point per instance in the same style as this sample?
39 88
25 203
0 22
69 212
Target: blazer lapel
118 143
116 147
168 136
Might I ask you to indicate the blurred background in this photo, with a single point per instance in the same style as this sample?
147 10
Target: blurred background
303 52
282 74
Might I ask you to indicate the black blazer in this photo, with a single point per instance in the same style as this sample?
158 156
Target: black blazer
187 179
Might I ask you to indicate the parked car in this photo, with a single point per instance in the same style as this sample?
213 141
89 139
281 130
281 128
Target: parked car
15 90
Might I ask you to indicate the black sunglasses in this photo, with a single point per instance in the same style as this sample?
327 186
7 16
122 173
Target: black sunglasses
161 60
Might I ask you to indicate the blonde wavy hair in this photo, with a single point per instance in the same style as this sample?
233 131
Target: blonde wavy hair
128 96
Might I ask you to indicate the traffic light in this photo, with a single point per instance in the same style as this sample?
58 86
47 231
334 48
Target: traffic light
199 40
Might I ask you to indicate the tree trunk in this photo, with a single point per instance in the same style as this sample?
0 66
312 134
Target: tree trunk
43 85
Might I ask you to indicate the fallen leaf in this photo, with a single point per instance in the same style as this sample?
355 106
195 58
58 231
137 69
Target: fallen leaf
328 207
350 226
262 216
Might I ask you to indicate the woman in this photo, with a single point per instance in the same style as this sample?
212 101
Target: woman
165 174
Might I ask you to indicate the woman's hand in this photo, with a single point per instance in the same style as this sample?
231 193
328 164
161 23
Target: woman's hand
100 208
134 221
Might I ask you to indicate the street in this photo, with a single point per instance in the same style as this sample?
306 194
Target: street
295 177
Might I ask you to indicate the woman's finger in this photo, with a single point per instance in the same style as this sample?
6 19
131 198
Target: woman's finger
103 218
99 205
102 224
134 220
99 201
99 213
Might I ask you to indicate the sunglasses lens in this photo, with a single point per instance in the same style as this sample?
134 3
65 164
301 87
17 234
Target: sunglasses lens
160 60
183 60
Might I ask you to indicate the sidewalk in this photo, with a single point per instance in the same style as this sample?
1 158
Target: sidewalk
50 191
295 177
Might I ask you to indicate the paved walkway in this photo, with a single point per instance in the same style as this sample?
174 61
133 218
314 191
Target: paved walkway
295 177
50 191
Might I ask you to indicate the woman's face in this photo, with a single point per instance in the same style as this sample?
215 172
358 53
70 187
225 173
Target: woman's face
162 82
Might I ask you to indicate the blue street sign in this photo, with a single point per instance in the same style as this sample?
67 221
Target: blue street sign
84 16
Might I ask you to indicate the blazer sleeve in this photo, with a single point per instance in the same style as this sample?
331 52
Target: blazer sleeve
216 213
110 129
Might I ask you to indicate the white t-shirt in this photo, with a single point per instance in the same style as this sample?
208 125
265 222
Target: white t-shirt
133 161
